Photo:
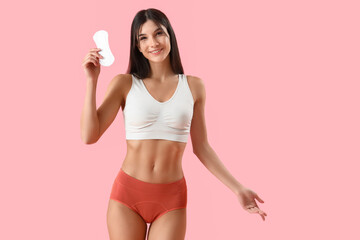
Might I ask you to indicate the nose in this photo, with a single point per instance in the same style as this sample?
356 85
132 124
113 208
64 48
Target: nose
154 42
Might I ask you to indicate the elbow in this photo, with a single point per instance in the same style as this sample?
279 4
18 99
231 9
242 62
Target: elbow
201 149
88 140
197 152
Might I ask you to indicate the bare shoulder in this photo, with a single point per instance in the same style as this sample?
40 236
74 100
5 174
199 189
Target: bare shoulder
197 87
122 84
121 79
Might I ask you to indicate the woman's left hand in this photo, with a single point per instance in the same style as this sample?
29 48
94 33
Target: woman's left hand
246 198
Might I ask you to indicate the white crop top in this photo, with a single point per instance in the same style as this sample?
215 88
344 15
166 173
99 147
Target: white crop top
147 118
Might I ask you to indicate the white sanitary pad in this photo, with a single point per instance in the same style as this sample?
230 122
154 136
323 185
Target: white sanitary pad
101 39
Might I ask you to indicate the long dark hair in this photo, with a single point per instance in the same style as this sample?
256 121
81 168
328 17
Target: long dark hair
138 64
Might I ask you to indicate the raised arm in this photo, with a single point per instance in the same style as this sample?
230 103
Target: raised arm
95 122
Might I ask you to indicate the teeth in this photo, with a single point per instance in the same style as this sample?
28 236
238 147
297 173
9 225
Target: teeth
157 51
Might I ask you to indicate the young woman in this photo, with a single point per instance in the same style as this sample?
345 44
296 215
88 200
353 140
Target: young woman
161 106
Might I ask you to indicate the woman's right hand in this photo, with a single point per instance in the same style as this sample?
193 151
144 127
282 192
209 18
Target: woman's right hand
91 63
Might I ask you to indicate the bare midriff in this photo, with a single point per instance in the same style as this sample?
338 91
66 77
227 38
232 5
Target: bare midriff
154 160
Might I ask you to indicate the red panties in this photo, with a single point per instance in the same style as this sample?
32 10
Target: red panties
149 200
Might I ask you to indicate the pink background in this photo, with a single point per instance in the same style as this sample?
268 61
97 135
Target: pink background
282 113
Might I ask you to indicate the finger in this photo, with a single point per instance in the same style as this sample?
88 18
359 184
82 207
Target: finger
252 210
259 199
88 61
256 210
93 51
248 207
259 209
261 213
92 61
94 58
98 55
96 51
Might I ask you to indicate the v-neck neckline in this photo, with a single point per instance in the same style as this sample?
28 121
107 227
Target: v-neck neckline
176 90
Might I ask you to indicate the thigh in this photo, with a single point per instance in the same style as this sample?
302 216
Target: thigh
123 223
171 225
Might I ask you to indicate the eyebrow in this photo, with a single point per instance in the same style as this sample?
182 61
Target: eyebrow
159 28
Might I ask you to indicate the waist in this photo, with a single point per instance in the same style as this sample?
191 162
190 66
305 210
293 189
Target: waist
128 181
151 163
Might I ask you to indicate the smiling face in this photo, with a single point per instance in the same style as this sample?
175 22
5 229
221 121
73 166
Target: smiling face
151 37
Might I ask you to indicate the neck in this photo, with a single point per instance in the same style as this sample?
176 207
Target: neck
161 71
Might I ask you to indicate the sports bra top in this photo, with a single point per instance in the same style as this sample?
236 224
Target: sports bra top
147 118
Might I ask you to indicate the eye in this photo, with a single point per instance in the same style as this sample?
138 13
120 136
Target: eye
156 34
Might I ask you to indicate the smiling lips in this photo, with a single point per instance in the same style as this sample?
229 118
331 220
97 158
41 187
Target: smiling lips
155 52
